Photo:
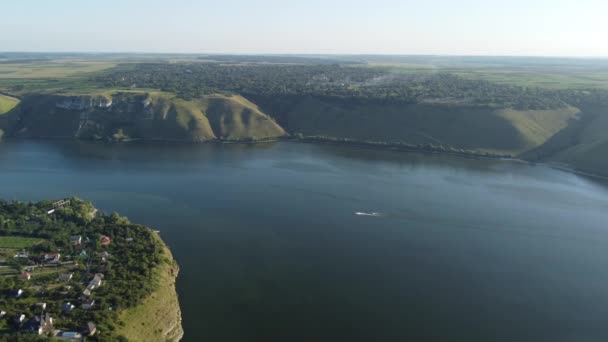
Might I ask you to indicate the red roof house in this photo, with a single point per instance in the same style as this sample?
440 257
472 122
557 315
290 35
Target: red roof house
105 240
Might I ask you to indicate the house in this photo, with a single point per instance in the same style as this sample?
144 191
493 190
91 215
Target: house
18 319
104 256
41 305
38 325
52 257
25 276
23 255
69 335
95 282
88 304
65 277
105 240
90 329
75 240
67 307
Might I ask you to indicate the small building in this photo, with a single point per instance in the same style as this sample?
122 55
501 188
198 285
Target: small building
94 283
83 254
2 314
67 307
52 257
18 293
75 240
105 240
90 329
25 276
18 319
88 304
41 305
23 255
129 239
38 325
65 277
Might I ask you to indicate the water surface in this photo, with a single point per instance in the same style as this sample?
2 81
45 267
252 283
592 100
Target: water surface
271 249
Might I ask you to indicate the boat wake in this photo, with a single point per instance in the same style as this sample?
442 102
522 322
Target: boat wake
361 213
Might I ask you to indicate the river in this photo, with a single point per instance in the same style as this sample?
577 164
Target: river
271 247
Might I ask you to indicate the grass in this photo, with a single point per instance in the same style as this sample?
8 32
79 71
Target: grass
7 103
158 318
465 127
51 69
18 242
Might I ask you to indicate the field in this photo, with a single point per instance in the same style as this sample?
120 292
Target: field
18 242
52 69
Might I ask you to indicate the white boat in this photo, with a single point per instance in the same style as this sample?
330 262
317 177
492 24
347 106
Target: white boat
361 213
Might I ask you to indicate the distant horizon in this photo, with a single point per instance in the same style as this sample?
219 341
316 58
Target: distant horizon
308 54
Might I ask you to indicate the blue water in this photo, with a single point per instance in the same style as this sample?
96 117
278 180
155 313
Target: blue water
270 247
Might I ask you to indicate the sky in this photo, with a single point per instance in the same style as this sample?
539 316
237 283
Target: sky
422 27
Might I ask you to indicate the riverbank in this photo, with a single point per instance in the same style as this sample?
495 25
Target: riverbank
158 317
383 146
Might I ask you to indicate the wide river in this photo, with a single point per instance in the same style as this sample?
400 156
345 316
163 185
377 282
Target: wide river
271 247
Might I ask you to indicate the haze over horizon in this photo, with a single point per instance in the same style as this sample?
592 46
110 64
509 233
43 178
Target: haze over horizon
437 27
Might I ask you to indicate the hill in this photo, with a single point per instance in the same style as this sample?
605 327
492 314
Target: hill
7 103
462 126
139 115
582 145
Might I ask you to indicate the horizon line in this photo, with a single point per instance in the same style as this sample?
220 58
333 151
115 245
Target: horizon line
317 54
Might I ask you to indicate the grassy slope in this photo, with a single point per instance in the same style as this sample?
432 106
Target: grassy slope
158 318
7 103
483 129
165 118
234 117
583 145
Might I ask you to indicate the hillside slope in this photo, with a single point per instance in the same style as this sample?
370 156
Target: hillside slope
468 127
582 146
158 318
137 115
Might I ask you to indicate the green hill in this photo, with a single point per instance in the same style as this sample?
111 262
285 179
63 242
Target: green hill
479 128
138 115
583 145
7 103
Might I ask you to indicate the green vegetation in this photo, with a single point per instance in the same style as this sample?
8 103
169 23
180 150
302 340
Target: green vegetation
126 263
7 103
18 242
139 115
541 109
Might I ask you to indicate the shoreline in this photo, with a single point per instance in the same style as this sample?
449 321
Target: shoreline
329 141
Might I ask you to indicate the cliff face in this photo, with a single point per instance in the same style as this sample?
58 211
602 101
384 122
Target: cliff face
146 116
83 102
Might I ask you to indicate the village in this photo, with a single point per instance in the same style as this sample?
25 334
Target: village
57 287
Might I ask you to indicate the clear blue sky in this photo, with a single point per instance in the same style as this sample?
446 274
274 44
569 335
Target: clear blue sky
463 27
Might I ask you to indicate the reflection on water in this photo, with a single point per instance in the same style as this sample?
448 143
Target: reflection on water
270 248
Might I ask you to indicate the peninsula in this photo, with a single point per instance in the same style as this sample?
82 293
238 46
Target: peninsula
68 272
